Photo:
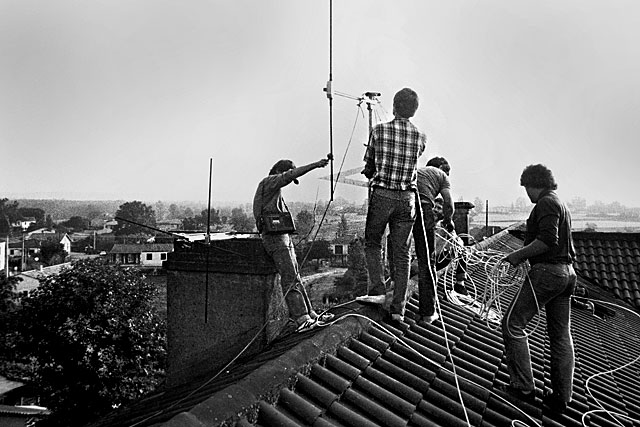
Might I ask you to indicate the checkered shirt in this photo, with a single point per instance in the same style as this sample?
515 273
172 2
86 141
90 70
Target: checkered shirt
394 149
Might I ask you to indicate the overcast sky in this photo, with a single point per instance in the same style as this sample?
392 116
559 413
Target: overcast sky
129 99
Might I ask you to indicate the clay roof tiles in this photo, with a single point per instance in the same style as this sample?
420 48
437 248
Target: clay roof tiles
402 374
616 264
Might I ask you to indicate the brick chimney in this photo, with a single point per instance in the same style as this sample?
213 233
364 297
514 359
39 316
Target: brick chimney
461 218
219 296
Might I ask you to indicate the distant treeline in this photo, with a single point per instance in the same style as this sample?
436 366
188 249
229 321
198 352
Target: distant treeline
65 209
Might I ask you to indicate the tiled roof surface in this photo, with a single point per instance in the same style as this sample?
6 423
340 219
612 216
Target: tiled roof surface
22 411
136 248
402 375
7 385
612 261
377 380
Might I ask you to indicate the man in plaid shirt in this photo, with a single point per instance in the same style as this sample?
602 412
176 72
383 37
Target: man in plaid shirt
391 163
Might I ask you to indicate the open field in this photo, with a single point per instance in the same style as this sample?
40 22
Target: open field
579 223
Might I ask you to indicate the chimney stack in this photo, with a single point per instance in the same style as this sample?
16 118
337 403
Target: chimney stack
461 218
219 297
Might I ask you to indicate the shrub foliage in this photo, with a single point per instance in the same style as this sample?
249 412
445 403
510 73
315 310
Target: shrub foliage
94 339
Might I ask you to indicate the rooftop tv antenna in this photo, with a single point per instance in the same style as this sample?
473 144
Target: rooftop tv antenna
370 98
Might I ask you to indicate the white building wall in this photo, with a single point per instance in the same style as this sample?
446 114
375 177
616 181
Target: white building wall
3 255
156 259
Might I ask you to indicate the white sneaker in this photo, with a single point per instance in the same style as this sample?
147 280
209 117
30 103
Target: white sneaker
324 317
396 317
372 299
430 319
462 298
307 325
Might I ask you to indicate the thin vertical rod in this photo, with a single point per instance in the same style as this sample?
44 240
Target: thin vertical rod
486 218
330 94
209 203
207 242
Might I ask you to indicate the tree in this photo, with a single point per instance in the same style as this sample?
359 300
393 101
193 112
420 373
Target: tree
52 253
190 224
95 339
304 223
76 223
48 222
240 221
8 215
318 249
578 204
91 212
521 204
199 222
479 205
174 211
8 307
136 212
343 226
161 210
36 213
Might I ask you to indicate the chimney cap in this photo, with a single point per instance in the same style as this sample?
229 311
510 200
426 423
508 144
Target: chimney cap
464 205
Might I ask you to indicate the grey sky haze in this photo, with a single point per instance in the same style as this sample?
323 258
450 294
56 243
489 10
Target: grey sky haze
129 99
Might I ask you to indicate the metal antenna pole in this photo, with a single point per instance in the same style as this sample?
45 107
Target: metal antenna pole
207 241
208 238
329 90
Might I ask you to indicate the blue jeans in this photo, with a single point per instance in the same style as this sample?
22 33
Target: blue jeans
398 210
424 240
553 285
280 249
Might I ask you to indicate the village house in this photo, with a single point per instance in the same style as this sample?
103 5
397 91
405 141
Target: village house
150 255
24 223
169 224
61 238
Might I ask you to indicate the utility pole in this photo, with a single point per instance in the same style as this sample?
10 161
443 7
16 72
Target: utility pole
6 265
486 218
22 253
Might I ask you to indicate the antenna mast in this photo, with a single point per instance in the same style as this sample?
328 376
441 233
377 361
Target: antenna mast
329 90
208 238
207 242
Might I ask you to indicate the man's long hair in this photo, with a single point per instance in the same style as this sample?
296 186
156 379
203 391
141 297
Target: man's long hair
281 166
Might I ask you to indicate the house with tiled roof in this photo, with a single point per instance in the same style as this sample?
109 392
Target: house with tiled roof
150 255
18 407
61 238
24 223
21 416
33 242
18 246
169 224
227 368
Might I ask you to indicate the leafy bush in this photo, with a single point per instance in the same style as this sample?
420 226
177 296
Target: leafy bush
94 338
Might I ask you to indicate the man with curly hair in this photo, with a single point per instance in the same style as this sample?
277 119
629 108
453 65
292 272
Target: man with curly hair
551 281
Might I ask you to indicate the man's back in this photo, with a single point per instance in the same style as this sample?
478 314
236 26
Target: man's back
394 149
431 182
